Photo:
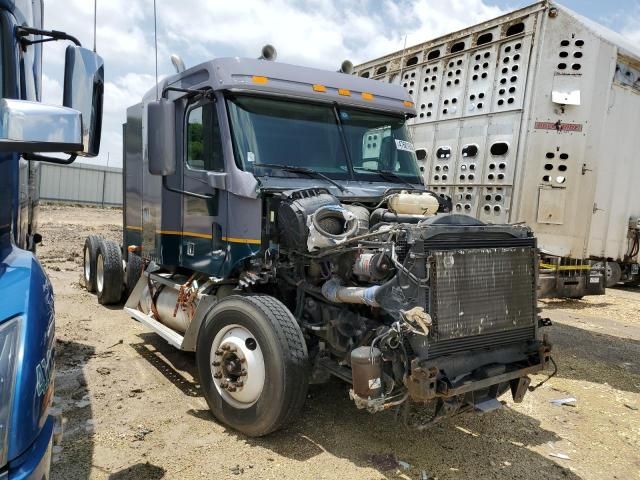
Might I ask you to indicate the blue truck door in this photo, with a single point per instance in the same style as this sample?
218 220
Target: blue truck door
204 246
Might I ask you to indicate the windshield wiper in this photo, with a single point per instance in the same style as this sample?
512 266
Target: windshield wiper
303 170
386 173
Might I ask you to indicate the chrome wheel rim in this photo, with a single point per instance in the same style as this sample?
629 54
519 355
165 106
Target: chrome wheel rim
87 267
237 366
100 273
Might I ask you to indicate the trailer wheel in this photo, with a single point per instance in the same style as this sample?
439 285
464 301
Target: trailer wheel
133 272
109 273
89 253
252 361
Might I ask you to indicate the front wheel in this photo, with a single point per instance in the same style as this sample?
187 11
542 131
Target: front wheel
252 361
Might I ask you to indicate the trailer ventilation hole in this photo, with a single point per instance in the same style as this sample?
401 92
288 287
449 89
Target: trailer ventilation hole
511 100
502 166
562 168
458 207
471 176
517 46
481 95
564 54
484 38
492 166
364 74
421 154
550 155
498 198
565 43
560 179
479 105
548 166
444 177
545 178
468 196
475 77
437 168
579 43
505 60
436 177
576 66
445 168
497 209
562 66
412 61
478 57
577 54
381 70
433 54
515 68
503 81
501 176
487 208
564 156
470 151
514 29
499 148
500 102
458 47
514 79
507 49
512 89
461 177
472 97
490 176
443 152
472 166
487 198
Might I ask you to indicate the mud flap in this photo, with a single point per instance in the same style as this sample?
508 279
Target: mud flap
519 388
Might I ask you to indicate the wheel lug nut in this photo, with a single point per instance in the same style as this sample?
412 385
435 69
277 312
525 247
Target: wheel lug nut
224 385
217 375
218 352
225 347
243 372
216 363
231 388
239 383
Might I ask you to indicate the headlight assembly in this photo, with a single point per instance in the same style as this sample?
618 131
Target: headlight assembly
9 338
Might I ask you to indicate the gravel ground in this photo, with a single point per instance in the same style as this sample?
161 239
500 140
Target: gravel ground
133 408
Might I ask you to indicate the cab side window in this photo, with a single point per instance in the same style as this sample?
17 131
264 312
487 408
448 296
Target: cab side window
204 146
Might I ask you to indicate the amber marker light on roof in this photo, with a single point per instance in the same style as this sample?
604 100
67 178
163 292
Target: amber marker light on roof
345 92
407 103
259 79
367 96
319 88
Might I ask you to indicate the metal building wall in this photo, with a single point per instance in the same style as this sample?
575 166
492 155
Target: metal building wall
81 183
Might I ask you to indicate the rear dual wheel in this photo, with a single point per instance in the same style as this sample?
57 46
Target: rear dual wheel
109 273
253 364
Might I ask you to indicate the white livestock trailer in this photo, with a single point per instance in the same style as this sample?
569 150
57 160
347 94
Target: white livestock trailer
534 117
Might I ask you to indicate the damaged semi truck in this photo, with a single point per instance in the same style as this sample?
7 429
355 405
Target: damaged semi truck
275 223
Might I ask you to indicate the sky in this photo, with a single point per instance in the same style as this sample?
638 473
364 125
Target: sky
315 33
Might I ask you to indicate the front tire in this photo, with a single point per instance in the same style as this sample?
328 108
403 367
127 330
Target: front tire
109 273
253 364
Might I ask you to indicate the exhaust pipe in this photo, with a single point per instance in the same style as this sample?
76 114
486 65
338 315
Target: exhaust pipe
346 67
178 63
268 53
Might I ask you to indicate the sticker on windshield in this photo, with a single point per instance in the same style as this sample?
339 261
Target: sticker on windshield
404 145
251 157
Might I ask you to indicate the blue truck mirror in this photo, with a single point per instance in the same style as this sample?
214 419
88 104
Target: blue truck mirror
84 92
161 147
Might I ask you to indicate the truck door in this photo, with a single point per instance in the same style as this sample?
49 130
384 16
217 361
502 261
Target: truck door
204 219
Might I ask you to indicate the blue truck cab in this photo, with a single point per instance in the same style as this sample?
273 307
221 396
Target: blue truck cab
29 130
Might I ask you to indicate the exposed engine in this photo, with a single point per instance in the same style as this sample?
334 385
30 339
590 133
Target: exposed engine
389 289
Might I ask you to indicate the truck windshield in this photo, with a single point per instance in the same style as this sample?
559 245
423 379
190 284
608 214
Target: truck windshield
314 136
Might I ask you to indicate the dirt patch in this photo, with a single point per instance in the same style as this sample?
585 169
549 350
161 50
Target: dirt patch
133 407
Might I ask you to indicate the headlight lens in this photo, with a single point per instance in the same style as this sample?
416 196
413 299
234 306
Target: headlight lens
9 336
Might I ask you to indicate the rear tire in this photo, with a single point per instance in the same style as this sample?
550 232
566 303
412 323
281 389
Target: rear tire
133 272
254 340
89 253
109 273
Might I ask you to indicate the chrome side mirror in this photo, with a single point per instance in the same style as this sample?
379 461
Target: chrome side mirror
30 127
84 92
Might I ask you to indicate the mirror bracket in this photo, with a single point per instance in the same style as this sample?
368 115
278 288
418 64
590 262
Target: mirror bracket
44 158
206 93
53 36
